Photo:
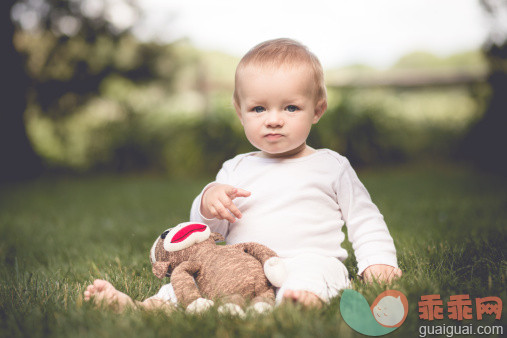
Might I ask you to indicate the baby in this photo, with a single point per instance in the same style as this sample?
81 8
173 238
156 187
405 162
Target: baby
288 196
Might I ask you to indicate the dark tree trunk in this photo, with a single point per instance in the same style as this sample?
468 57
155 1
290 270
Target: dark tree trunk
485 144
18 160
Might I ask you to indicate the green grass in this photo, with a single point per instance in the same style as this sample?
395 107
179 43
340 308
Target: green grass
58 235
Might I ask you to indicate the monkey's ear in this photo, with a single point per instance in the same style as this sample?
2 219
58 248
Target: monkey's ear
160 269
217 237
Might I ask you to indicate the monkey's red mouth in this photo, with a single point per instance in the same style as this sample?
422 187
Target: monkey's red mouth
187 231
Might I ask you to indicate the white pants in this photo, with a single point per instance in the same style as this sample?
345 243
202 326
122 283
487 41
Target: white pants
324 276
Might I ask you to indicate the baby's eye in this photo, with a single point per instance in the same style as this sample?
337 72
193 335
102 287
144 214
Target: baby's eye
292 108
258 109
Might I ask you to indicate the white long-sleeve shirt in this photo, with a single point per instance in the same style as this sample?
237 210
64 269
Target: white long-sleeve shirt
300 206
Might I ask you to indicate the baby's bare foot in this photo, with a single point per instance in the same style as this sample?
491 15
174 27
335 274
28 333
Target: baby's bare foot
103 293
305 298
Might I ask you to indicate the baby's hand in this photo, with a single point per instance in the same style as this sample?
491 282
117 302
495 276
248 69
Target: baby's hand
217 202
381 273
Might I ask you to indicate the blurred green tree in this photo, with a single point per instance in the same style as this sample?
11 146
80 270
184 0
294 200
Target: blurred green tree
58 54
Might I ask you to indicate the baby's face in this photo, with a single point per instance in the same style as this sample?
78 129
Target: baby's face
277 108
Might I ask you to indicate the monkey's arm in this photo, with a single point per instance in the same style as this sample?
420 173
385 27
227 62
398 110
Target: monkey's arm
183 282
258 251
274 269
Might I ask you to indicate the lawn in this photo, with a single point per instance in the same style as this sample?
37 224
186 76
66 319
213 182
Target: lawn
59 234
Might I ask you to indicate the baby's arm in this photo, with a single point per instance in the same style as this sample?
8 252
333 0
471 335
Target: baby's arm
381 273
217 202
372 243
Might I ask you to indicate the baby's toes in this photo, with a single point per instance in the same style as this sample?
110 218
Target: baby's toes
306 299
289 294
100 285
90 290
310 299
295 295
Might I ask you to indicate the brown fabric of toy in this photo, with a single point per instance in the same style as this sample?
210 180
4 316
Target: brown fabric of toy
225 273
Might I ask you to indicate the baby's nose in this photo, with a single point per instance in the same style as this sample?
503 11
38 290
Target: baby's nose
274 119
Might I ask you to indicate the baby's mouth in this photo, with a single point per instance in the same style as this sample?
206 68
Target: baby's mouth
273 136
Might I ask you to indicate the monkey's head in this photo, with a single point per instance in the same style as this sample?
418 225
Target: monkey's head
177 244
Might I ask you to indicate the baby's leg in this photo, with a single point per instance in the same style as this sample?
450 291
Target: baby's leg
103 293
312 279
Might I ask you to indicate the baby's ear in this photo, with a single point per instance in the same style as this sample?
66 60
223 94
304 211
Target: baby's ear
217 237
320 109
237 108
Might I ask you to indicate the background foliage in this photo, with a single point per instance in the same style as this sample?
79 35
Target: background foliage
182 121
89 96
99 99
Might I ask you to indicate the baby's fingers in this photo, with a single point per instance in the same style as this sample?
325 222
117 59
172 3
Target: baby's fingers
233 192
242 193
223 213
229 204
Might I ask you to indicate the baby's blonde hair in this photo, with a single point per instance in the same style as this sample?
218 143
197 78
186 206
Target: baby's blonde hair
282 52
